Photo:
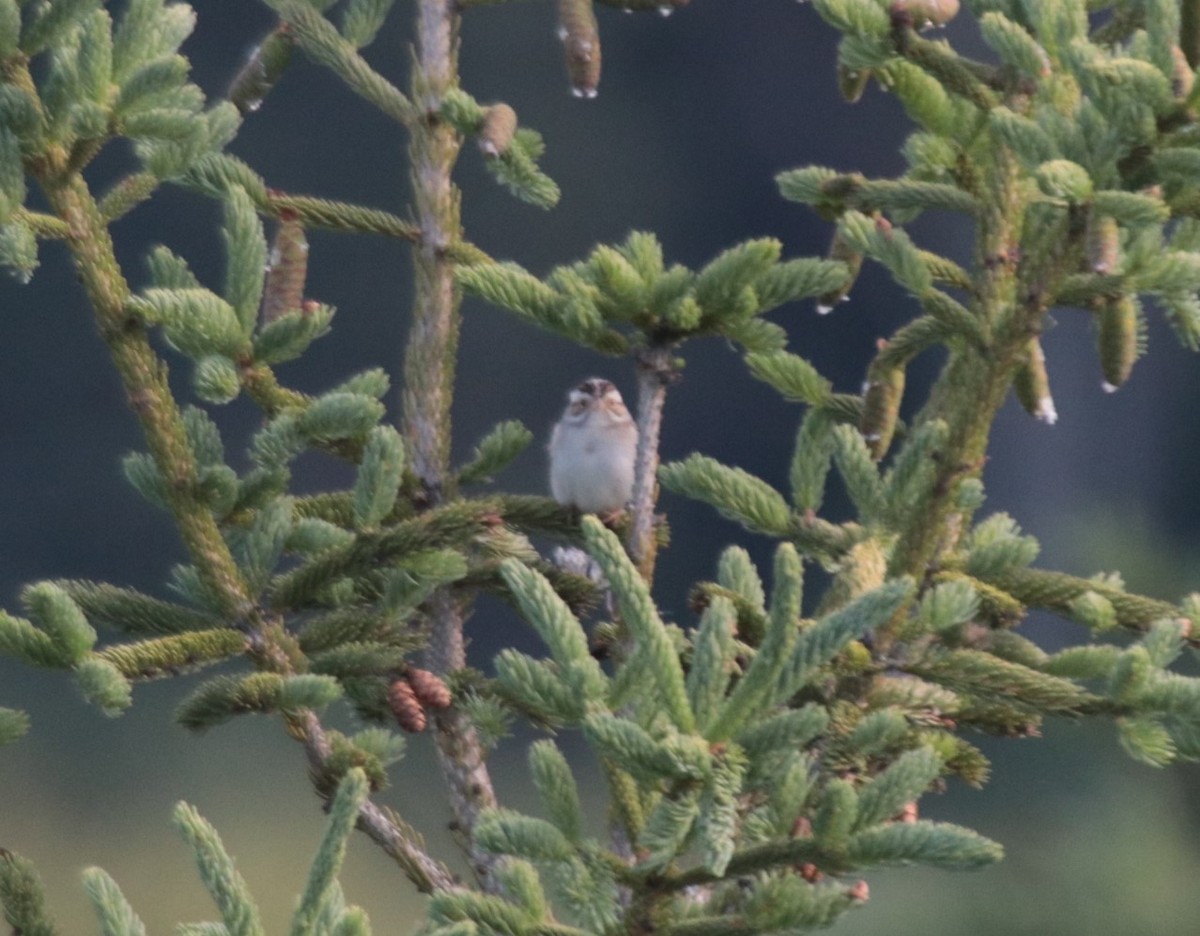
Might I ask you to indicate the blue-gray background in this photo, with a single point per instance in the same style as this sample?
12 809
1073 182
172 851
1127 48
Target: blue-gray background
695 116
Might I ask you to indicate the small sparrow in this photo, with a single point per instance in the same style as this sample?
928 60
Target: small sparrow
592 450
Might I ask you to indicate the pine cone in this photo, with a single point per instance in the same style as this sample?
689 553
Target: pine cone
429 688
406 707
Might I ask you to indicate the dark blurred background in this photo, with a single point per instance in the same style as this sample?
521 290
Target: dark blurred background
696 114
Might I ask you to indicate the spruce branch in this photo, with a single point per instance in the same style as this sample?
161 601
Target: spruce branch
127 194
321 42
984 380
937 844
757 684
735 493
330 215
957 75
344 810
495 452
166 656
429 368
84 229
396 840
1058 592
144 378
452 525
227 887
22 898
117 917
651 639
43 226
558 627
834 193
977 673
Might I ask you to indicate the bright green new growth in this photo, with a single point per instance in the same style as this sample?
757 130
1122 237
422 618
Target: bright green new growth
754 758
227 888
117 917
495 452
379 477
321 908
22 898
327 864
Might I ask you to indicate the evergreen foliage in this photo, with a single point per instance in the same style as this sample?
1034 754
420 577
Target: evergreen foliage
760 757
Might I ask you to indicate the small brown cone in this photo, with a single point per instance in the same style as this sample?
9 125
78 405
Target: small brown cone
406 707
262 71
926 13
881 405
1032 384
428 688
497 130
287 270
1103 243
581 42
1117 339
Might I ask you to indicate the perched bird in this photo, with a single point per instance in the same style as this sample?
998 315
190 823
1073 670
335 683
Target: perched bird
592 450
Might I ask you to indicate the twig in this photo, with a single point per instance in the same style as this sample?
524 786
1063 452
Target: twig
428 874
43 225
332 215
329 215
322 43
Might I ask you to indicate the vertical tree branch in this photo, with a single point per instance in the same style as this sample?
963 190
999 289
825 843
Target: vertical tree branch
433 340
973 386
429 366
655 372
